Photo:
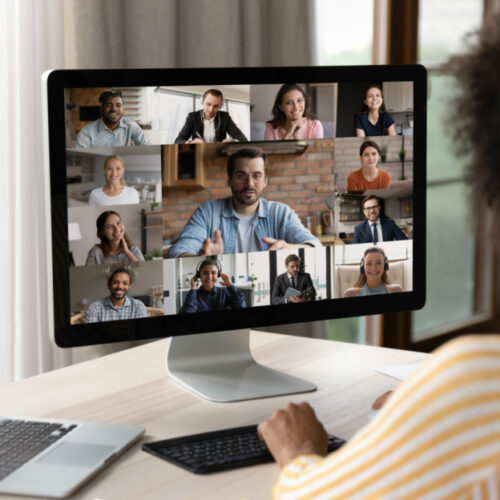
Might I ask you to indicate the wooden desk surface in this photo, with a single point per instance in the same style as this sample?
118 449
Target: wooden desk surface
132 387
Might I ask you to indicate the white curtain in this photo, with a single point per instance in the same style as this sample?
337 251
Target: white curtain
31 41
190 33
36 35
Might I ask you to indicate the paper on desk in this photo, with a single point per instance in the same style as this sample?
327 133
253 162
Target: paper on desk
399 371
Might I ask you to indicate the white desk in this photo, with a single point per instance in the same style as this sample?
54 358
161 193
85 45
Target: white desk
132 386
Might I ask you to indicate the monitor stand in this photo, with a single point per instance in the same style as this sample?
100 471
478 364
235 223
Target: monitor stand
220 367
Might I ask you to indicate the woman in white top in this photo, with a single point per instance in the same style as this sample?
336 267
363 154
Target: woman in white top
114 192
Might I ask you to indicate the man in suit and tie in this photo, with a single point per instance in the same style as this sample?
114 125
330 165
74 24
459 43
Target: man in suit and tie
376 228
295 279
210 124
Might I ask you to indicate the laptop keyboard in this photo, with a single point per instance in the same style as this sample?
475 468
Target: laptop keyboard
21 440
219 450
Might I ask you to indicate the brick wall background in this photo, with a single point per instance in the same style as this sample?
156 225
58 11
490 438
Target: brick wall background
301 181
347 157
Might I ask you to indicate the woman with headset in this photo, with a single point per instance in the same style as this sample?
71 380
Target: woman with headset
292 117
115 246
373 279
208 296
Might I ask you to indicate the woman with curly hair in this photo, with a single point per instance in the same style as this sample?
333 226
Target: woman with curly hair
438 435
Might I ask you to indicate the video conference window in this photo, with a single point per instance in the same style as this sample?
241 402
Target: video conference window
368 269
235 196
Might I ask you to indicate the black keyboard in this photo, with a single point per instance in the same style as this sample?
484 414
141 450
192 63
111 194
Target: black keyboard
21 440
219 450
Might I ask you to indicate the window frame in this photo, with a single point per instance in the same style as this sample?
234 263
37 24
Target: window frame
396 328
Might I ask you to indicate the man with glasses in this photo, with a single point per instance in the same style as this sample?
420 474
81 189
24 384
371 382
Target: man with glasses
244 222
376 228
111 129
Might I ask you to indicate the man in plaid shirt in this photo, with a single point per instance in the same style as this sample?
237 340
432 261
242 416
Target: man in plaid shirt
117 305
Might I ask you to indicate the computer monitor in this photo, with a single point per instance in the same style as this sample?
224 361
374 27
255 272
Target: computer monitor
199 203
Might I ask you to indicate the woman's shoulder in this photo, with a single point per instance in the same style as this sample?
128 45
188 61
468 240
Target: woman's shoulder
383 174
127 190
355 174
316 128
352 292
394 288
95 195
96 250
386 117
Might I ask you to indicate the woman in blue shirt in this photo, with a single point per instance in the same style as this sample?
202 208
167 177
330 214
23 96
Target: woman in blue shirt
209 297
373 119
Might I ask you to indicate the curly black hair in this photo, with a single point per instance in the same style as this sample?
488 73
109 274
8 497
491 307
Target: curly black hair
476 118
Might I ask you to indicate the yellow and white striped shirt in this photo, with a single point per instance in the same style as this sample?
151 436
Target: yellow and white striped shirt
437 437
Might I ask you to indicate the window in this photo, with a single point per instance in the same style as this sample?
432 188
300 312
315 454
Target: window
451 249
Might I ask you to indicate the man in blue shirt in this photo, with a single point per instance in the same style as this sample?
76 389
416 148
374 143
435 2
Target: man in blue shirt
244 222
209 297
111 129
117 305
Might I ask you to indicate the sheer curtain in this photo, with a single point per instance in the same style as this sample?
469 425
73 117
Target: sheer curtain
190 33
39 34
31 41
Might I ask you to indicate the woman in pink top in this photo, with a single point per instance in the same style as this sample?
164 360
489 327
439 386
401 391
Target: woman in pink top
292 118
369 176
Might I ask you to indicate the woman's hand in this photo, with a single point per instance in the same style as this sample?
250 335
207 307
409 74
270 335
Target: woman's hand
380 401
299 127
126 250
292 432
295 131
224 280
193 283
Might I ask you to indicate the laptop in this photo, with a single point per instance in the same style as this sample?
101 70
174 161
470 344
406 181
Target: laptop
54 457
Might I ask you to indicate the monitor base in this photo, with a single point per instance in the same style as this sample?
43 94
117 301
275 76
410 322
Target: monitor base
220 367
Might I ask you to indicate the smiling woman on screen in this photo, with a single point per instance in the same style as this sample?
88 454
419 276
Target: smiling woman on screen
369 176
115 245
373 278
114 192
373 119
292 117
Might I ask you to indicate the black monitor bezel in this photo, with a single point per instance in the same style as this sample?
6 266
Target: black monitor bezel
66 335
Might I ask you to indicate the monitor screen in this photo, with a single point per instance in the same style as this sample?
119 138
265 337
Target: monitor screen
198 200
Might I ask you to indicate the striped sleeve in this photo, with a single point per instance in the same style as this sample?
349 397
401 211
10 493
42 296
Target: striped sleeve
437 437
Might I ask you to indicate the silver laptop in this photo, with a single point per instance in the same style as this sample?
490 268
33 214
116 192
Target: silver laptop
53 457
